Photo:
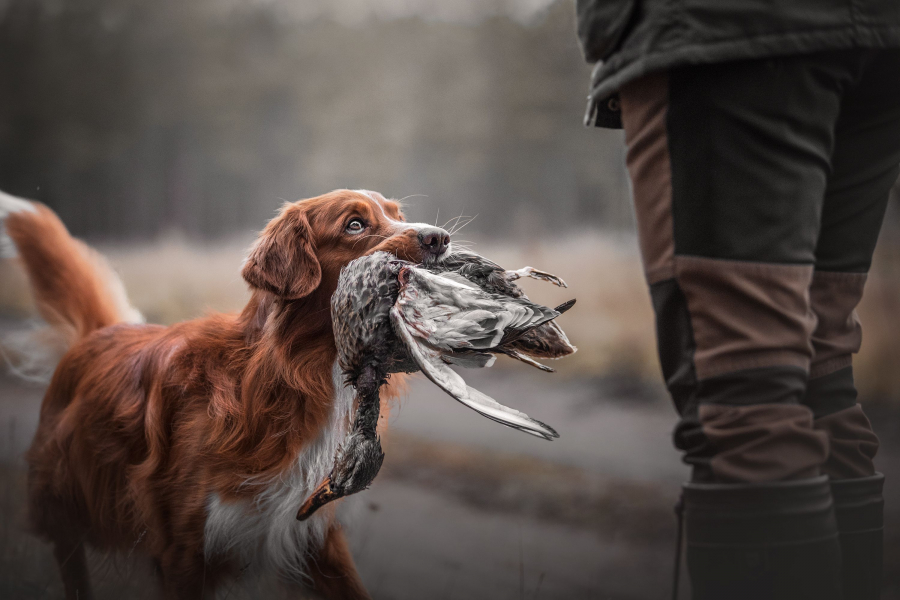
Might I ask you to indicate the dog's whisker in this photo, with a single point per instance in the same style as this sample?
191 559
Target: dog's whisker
455 220
459 228
472 218
411 196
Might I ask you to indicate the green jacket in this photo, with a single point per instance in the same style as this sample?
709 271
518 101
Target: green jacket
629 38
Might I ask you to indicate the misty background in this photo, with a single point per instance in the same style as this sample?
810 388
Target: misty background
167 132
132 118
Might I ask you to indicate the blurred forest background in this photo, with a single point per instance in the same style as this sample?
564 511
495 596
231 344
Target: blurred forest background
167 132
133 118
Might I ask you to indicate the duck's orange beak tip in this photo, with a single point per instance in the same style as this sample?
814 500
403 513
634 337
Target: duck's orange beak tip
321 496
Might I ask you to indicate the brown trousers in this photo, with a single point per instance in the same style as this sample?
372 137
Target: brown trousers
760 187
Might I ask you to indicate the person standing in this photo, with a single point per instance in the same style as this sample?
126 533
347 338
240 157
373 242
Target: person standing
763 137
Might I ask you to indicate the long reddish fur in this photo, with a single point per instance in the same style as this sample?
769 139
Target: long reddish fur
141 423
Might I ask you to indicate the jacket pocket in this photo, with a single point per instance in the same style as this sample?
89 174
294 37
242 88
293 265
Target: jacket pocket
601 26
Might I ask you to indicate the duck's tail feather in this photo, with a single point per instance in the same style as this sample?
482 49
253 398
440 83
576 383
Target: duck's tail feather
565 306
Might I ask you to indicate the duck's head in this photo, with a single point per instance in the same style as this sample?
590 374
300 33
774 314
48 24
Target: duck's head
358 462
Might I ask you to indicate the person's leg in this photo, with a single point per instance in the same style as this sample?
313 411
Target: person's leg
729 165
865 164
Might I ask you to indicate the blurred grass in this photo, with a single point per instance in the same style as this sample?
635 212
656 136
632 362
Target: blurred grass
612 324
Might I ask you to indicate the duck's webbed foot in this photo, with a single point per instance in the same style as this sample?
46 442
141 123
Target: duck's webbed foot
535 274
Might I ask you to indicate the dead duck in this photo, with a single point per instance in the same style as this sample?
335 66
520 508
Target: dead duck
392 316
368 352
445 319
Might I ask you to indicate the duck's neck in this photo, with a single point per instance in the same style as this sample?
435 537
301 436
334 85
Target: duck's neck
368 410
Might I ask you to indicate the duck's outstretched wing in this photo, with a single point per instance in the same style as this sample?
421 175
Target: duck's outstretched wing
432 365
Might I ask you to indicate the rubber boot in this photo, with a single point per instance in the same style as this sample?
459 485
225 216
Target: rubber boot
777 541
859 507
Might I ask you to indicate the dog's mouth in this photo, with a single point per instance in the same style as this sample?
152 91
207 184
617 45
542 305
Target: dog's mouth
436 259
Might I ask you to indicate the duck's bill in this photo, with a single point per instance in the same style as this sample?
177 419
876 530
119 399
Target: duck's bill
321 496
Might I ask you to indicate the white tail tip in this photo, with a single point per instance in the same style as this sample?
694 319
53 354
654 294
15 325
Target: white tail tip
8 205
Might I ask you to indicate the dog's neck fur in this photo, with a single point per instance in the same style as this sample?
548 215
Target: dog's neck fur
292 418
279 359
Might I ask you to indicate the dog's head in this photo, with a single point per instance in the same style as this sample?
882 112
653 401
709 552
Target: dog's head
305 247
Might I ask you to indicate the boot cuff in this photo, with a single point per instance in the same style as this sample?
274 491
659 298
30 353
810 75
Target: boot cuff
759 514
859 502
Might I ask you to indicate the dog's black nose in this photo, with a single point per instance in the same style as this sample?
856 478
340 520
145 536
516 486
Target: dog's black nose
434 240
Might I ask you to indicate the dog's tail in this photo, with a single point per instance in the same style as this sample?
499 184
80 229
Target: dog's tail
74 288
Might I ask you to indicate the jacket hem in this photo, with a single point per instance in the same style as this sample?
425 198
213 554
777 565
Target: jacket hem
609 77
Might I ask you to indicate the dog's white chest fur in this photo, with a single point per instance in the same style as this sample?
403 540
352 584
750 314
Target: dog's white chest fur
265 531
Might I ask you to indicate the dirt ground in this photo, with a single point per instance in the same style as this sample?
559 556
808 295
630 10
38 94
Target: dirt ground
467 509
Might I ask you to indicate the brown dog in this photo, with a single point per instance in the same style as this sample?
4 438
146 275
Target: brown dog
196 443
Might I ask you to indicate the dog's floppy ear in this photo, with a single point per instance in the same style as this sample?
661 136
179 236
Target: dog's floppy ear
283 260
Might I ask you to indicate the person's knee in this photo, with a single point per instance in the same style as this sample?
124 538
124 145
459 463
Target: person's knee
762 442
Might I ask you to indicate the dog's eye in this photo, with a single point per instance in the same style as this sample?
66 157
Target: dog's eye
356 225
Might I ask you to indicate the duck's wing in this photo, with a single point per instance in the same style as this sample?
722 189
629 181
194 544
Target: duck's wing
472 260
452 316
430 361
470 360
480 271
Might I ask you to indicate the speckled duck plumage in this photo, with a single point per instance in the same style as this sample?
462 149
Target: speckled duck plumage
392 316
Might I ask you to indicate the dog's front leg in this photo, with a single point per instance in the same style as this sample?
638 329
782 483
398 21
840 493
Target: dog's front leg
185 575
332 570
